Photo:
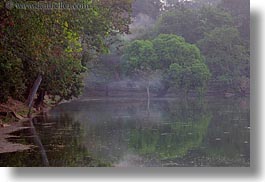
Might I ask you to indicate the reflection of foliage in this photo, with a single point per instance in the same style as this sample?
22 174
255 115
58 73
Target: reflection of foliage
63 144
173 139
231 124
182 133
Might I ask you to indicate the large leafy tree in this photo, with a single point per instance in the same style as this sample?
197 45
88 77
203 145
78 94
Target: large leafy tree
53 44
183 64
140 61
196 24
180 63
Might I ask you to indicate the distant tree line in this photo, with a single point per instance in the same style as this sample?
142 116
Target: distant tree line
217 29
190 44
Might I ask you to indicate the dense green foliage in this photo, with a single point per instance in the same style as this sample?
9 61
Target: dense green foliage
140 58
55 44
60 45
226 56
180 63
218 28
221 31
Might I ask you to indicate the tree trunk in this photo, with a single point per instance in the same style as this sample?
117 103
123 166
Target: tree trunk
40 99
33 92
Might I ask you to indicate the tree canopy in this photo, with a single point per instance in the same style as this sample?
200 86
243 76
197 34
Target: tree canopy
221 31
181 42
180 63
226 56
52 43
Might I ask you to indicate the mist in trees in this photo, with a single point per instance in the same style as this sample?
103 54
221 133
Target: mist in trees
152 78
217 31
179 45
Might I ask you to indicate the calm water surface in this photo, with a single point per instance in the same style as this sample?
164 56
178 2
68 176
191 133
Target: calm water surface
124 133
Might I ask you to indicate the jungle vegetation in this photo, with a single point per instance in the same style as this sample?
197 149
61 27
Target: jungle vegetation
185 45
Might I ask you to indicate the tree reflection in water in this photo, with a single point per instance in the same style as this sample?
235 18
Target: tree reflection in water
121 132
